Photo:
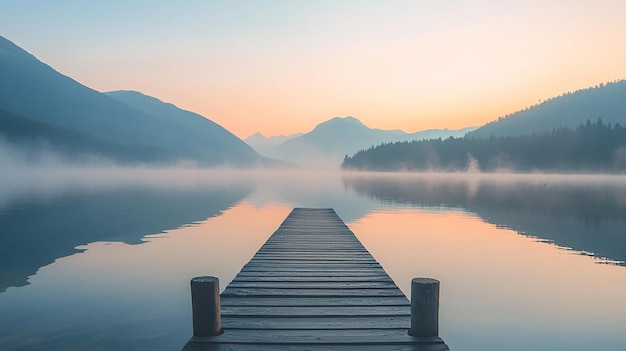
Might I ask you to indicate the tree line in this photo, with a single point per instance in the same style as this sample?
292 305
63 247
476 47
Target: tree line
592 148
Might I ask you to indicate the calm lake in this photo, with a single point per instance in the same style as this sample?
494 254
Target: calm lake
94 259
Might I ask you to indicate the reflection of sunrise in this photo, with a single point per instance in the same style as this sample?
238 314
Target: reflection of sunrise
480 267
218 246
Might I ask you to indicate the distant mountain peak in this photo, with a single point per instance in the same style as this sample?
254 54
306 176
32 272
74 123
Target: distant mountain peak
256 135
337 123
347 119
327 144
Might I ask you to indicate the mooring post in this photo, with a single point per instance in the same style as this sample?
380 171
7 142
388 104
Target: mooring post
205 302
424 307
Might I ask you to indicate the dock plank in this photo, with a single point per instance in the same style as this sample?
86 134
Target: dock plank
320 324
312 279
315 311
314 286
336 337
199 346
359 292
315 301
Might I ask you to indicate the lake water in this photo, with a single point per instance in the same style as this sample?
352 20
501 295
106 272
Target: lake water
101 259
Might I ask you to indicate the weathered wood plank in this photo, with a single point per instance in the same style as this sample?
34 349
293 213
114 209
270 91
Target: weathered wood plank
314 311
314 301
271 253
336 337
308 258
199 346
318 266
330 249
312 248
313 263
313 285
338 270
366 322
357 292
311 279
315 273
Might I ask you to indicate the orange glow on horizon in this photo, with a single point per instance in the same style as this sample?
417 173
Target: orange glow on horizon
284 67
272 113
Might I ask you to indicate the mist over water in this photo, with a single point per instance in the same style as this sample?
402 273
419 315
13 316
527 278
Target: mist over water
100 257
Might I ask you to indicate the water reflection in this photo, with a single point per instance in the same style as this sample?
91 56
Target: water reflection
584 213
115 296
499 290
39 227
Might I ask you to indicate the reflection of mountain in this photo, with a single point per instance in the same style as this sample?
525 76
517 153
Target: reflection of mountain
37 230
587 216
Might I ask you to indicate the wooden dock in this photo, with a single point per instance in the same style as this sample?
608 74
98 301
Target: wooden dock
314 286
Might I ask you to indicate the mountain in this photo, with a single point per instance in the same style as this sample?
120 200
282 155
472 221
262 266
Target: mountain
195 126
439 133
264 145
30 141
329 142
127 121
605 101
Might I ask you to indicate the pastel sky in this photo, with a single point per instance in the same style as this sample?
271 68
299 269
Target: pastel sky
281 67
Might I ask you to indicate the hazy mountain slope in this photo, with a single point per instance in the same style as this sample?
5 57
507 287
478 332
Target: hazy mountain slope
607 101
32 89
265 145
439 133
340 133
37 141
330 141
35 90
195 126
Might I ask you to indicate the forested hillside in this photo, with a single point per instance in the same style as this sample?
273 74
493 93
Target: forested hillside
592 147
569 110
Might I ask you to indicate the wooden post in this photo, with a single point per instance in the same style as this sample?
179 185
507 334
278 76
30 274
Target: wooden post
205 302
424 307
